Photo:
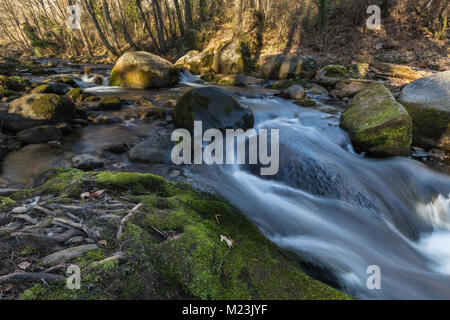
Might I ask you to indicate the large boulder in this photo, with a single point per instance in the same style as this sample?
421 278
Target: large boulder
50 107
215 107
377 124
428 102
232 57
141 70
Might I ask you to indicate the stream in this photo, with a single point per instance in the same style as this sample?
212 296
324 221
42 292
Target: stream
334 207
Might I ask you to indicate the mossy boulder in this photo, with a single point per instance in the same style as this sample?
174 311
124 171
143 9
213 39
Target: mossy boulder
215 107
44 88
331 74
110 103
428 102
79 95
141 70
237 80
14 83
377 124
43 107
171 247
232 57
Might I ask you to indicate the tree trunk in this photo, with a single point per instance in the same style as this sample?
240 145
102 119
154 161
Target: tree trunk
146 25
188 14
109 25
238 19
179 16
90 9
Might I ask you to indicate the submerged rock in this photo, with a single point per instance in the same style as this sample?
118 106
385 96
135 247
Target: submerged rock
377 123
110 103
141 70
155 150
39 135
428 102
87 162
215 107
296 92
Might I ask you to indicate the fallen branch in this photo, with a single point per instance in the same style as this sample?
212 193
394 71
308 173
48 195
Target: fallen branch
125 219
29 276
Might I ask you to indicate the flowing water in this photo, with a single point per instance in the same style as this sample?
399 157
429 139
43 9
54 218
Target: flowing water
334 207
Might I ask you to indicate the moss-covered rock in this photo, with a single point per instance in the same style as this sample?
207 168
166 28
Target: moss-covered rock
44 107
13 83
141 70
79 95
377 123
42 134
6 93
428 102
215 107
394 70
110 103
281 67
331 74
6 203
237 80
232 57
44 88
197 62
172 248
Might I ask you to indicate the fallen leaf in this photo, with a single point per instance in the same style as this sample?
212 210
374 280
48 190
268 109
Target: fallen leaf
9 288
228 241
103 243
24 265
254 260
92 195
217 218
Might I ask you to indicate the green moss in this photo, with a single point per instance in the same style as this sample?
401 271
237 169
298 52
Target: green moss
6 203
51 105
306 102
192 263
28 250
44 88
13 83
377 123
6 93
110 103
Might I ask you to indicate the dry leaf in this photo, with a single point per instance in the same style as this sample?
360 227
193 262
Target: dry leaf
217 218
24 265
228 241
9 288
103 243
92 195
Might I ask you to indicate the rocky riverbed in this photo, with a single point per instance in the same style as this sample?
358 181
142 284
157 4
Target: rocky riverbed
104 211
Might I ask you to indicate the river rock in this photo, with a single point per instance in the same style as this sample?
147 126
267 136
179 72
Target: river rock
232 57
197 62
39 135
110 103
50 107
237 80
141 70
67 254
283 67
349 89
428 102
330 75
215 107
13 83
295 92
394 70
87 162
154 150
377 124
